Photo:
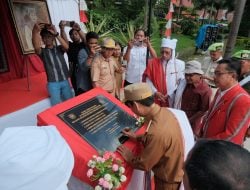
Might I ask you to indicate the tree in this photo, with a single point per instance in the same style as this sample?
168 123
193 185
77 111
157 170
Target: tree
245 22
234 27
213 4
119 13
125 11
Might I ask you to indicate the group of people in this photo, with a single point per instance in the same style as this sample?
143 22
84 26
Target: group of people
90 64
215 99
212 97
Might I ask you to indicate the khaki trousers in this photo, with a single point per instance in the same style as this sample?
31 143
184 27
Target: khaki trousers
162 185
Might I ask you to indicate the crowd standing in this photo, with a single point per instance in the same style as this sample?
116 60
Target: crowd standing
181 102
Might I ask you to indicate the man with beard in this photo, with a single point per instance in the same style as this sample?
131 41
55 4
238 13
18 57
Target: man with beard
164 74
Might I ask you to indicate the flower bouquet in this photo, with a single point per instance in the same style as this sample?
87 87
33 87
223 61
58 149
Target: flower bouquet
106 171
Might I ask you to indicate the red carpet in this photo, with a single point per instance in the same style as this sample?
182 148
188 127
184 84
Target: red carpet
14 95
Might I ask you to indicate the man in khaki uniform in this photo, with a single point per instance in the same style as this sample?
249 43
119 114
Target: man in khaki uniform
210 63
163 144
103 68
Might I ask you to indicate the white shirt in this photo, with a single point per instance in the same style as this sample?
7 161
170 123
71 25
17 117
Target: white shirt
187 133
137 64
175 72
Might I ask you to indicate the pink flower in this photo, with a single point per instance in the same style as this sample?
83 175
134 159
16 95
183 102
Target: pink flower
103 160
89 172
99 159
115 167
108 155
105 184
101 180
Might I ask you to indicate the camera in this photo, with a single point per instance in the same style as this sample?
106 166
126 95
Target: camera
67 23
138 43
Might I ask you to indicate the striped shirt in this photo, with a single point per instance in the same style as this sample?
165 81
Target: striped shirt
55 64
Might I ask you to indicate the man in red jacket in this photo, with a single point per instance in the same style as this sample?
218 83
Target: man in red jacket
229 114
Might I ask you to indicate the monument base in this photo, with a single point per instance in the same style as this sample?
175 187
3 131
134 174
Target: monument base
81 148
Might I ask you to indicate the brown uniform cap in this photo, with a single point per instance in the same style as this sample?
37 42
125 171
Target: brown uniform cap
137 91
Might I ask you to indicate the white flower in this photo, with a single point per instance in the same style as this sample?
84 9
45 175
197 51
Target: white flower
107 177
90 163
122 170
93 164
123 178
98 187
110 185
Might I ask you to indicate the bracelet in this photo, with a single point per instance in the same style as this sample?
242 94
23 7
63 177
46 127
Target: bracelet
57 34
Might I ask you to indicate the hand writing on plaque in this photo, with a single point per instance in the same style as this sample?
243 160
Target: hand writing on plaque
129 133
125 153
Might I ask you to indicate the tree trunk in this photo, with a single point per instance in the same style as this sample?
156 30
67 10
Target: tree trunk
179 11
203 16
216 15
145 25
238 12
211 13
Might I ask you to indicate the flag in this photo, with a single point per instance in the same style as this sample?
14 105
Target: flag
83 7
169 24
175 2
169 18
168 33
83 17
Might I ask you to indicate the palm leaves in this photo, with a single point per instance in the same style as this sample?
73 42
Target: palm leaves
98 28
123 37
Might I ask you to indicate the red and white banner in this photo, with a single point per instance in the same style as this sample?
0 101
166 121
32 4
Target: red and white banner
83 7
169 18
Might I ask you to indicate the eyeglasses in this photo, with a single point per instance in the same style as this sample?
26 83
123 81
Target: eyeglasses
218 74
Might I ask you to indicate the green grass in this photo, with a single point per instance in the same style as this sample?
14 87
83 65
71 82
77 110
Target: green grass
184 42
185 45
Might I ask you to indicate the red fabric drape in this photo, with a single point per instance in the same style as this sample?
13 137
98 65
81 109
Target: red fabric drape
155 72
16 60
